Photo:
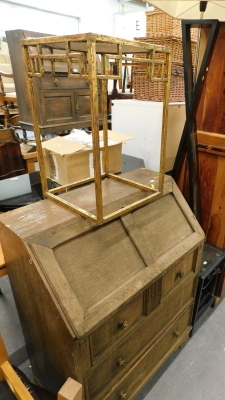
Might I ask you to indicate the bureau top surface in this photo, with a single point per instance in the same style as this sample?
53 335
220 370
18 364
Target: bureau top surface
90 270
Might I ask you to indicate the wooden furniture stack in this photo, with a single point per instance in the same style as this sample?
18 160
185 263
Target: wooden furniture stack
104 299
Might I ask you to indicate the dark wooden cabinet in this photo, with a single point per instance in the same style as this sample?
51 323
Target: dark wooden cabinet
96 303
62 103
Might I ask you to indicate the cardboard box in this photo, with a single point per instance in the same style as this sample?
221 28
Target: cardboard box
68 161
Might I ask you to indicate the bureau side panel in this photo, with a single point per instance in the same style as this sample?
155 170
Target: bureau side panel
54 354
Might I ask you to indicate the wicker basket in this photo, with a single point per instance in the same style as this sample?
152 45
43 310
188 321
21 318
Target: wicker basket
154 91
159 24
176 47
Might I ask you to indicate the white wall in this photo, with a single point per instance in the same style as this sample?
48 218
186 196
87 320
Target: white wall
79 16
19 17
129 26
97 16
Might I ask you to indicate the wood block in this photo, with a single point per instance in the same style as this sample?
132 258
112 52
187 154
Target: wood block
71 390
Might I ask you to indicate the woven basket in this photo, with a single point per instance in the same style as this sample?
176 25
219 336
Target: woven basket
154 91
159 24
176 47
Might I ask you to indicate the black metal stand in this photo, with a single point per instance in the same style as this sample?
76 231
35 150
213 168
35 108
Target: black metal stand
193 92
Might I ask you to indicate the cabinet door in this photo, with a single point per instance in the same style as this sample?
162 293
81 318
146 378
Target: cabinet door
83 105
58 107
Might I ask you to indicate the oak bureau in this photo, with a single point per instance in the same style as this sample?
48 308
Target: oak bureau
105 305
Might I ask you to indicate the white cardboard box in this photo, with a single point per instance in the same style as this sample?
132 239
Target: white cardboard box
68 161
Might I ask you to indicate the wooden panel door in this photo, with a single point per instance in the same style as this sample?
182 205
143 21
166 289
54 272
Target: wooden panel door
210 115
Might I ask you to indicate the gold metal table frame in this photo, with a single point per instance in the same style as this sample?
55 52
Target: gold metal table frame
80 54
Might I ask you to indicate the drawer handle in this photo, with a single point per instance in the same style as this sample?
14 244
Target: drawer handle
122 395
122 325
121 362
179 274
56 82
176 333
77 108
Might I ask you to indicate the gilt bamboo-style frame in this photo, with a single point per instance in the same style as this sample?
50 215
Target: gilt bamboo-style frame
82 50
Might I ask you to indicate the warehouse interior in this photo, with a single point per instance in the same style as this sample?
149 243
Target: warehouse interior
112 251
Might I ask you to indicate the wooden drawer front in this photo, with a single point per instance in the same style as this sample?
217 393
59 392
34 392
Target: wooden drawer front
115 366
63 83
176 274
117 326
153 296
140 373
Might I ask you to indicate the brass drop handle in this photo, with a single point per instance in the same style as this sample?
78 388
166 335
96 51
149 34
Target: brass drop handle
77 108
121 362
179 274
56 82
122 325
176 333
122 395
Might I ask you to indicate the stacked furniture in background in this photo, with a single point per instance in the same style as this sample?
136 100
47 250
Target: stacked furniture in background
62 104
162 29
8 99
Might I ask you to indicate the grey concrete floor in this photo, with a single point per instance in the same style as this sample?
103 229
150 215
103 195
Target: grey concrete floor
194 372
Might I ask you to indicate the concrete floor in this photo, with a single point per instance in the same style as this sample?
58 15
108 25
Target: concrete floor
194 372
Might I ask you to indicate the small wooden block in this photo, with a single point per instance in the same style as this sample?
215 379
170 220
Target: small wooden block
71 390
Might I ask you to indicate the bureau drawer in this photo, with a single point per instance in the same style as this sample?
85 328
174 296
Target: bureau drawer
117 326
59 82
140 373
116 365
176 274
